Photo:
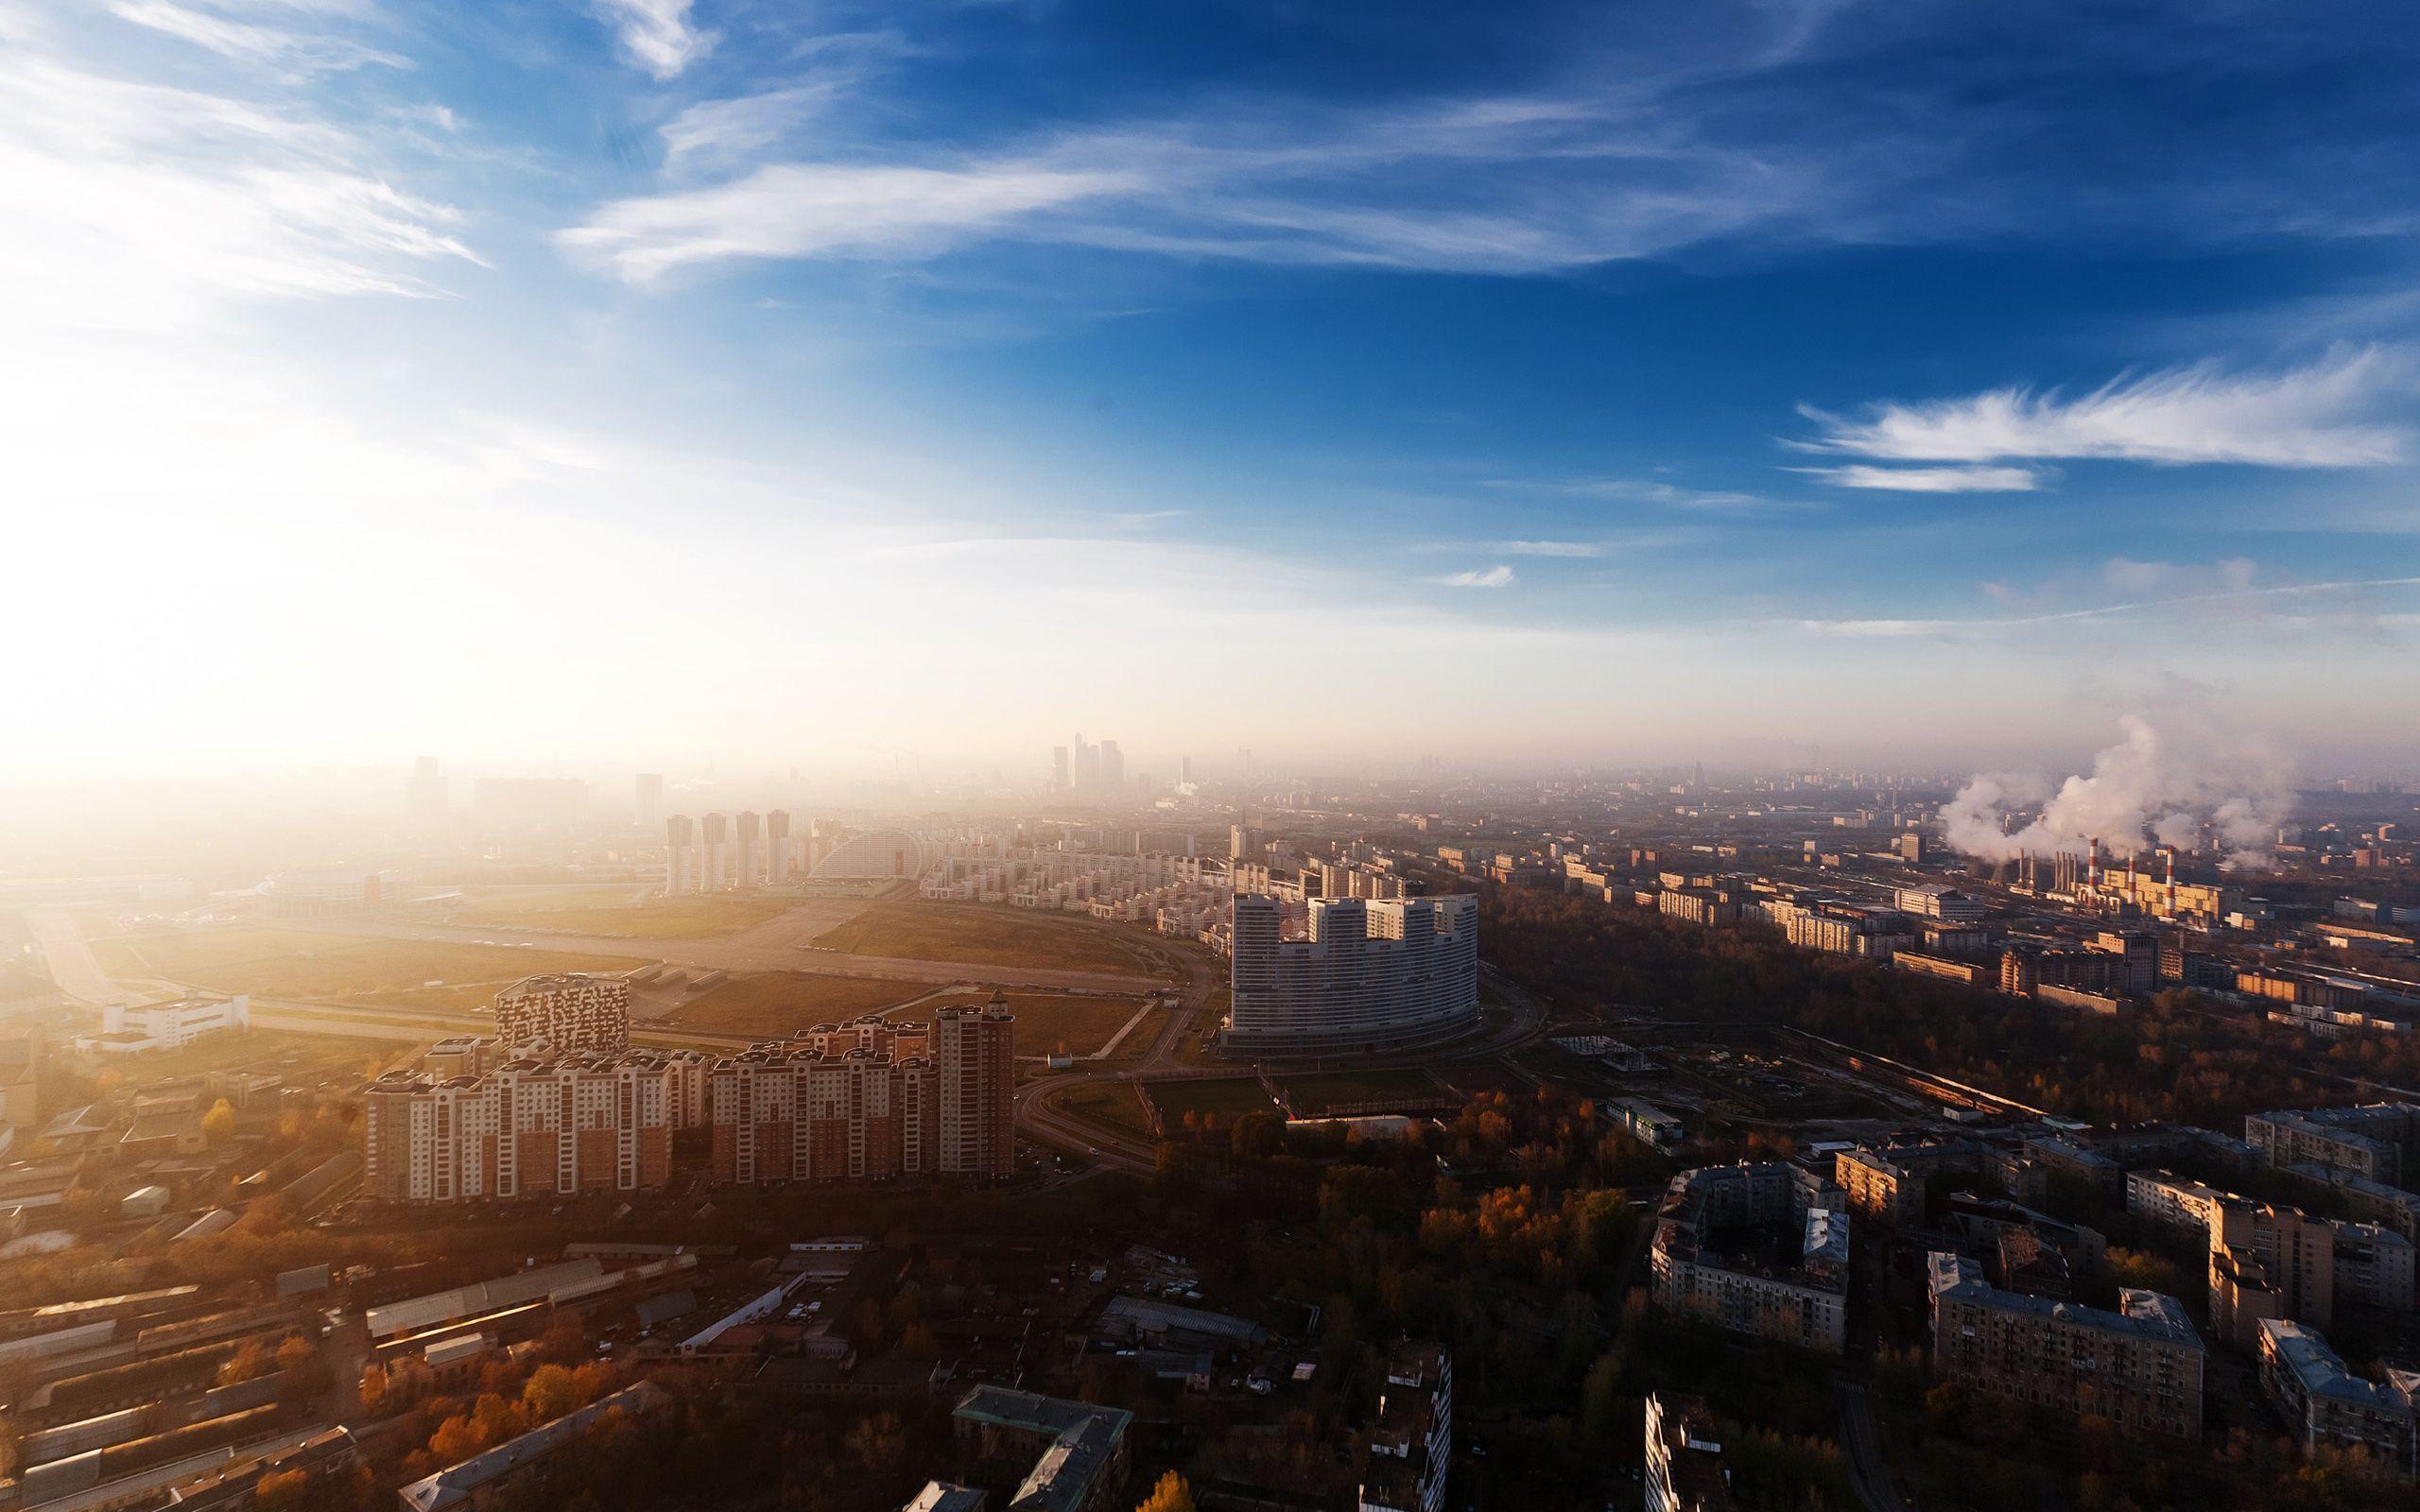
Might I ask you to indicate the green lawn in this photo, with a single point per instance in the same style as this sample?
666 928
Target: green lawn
1226 1098
1113 1103
984 935
1313 1092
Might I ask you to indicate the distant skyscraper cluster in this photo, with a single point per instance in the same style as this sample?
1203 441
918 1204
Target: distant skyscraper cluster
1095 770
713 854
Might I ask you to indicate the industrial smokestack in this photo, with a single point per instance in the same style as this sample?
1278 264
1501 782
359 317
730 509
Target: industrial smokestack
2092 862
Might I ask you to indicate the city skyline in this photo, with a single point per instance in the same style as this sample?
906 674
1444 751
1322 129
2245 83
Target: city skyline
1557 353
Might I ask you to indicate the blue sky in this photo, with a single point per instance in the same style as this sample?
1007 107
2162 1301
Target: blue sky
1917 382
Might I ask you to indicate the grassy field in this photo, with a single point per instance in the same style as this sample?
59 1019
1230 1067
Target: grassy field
1111 1103
989 936
1316 1092
685 918
336 968
777 1003
1226 1098
300 1059
1046 1020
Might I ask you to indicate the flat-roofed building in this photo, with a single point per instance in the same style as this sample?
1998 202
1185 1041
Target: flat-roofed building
1761 1249
2329 1407
1685 1471
2140 1366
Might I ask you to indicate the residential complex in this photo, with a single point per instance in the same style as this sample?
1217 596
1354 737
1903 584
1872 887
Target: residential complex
1373 975
1411 1445
1685 1471
564 1014
553 1127
2140 1367
1072 1455
1756 1248
2328 1407
838 1102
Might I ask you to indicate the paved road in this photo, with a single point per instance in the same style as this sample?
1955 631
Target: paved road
1868 1473
69 956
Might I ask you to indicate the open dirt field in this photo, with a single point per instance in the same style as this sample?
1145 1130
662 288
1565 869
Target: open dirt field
1047 1021
778 1003
993 937
312 967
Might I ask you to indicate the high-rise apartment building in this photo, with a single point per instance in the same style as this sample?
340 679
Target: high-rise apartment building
574 1011
867 1099
530 1129
833 1101
752 851
778 859
714 836
1373 975
1113 766
975 1054
680 856
648 798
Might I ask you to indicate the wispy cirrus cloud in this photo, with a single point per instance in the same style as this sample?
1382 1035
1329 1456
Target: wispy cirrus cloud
2219 587
1964 479
1499 575
132 204
656 34
2318 416
1638 491
829 210
1551 548
1484 184
262 31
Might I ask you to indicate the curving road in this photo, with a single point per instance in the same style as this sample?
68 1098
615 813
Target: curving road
1044 1122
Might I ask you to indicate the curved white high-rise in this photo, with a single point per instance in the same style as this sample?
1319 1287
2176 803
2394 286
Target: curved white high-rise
1376 974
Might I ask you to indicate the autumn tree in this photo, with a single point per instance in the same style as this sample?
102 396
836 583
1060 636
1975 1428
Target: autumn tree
1170 1495
219 1124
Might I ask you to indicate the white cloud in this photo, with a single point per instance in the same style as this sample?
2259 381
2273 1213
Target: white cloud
1977 479
131 204
1638 491
825 211
1506 185
206 23
2304 417
1499 575
725 130
656 34
1551 548
2221 588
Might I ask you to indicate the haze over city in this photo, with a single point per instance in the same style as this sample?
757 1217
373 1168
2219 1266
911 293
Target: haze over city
1664 383
1209 756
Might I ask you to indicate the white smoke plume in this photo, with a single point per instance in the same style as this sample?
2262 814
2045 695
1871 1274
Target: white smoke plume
2158 786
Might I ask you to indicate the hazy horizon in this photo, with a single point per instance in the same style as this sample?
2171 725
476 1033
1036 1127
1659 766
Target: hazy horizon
649 385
